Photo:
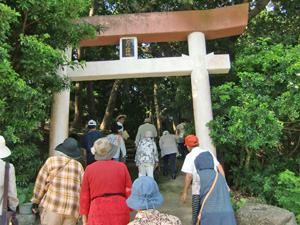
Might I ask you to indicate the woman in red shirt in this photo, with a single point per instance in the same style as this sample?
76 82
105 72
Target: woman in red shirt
106 186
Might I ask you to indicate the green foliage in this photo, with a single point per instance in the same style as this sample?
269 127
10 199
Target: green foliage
252 115
286 191
237 204
27 161
25 193
33 37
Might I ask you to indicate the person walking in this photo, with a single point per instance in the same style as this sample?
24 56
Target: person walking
144 198
180 131
13 201
106 186
120 119
192 144
169 151
88 142
57 186
147 126
146 156
217 208
116 139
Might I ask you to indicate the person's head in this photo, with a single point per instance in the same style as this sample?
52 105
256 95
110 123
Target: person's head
4 150
204 161
147 120
190 142
144 194
92 124
165 132
121 118
69 148
114 128
104 149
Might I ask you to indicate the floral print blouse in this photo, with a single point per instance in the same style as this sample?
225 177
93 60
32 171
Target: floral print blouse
146 152
151 217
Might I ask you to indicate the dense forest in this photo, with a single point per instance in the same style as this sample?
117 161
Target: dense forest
256 126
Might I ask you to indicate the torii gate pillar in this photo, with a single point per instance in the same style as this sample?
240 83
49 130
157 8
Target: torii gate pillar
201 90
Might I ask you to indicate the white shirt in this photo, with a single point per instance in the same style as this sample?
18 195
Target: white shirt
189 167
12 190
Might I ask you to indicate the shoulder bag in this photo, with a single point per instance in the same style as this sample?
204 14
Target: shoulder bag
208 193
8 217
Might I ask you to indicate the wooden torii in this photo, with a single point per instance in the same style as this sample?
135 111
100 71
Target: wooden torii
194 26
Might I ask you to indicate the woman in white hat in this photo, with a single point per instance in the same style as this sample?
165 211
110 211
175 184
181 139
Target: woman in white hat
12 190
105 187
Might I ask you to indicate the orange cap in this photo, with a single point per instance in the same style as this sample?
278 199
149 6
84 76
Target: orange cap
191 140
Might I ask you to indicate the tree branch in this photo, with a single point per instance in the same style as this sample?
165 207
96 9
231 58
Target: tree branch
260 6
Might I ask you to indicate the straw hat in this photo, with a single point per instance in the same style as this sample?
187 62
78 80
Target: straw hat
121 116
4 150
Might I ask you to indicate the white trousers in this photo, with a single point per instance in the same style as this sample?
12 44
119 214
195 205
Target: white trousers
146 170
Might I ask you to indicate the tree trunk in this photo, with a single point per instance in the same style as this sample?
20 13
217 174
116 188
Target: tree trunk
110 105
91 100
248 157
94 8
78 117
157 111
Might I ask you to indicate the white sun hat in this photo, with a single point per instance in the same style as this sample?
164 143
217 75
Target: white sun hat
4 151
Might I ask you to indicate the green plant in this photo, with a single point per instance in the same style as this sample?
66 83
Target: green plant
25 194
287 192
27 161
237 204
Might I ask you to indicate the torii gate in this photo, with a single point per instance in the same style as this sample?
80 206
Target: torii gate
127 30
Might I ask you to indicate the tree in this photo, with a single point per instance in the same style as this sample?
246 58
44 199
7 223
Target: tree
33 37
256 114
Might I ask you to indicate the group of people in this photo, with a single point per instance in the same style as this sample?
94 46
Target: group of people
103 193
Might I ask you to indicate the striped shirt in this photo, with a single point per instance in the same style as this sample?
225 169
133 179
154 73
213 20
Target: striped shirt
59 192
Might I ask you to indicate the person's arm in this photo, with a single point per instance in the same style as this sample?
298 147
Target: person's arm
40 183
84 219
160 143
123 148
137 138
155 155
187 182
84 156
221 171
13 201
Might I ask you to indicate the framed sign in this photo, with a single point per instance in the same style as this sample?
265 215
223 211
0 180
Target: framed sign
128 48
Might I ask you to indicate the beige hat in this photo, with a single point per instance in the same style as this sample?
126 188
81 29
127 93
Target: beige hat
4 151
121 116
147 120
104 149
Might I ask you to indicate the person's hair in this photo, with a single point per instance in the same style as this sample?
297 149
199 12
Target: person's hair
194 146
91 127
114 128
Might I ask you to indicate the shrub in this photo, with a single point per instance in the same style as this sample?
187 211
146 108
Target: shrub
284 191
